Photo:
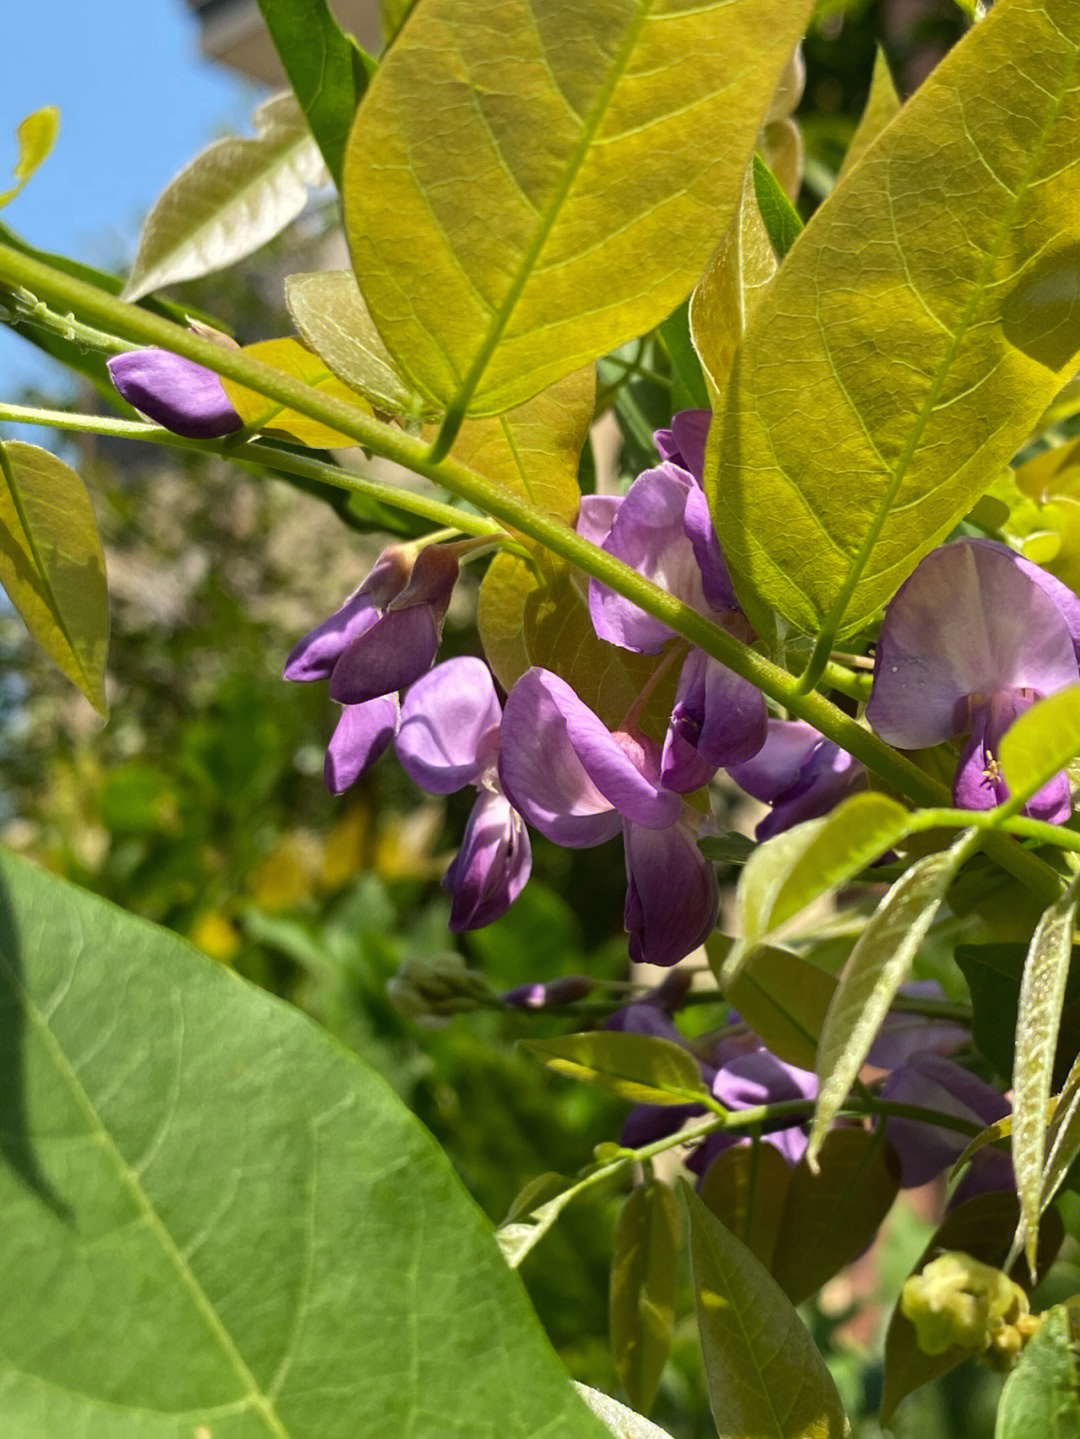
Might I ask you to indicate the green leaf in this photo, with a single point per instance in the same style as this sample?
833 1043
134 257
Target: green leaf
1041 1397
326 69
36 136
284 1249
621 1421
688 388
992 1134
764 1375
52 564
982 1227
875 970
1042 995
954 306
523 196
500 616
1064 1136
882 105
783 998
394 14
329 311
293 358
637 1067
231 199
1041 742
778 213
746 1187
644 1288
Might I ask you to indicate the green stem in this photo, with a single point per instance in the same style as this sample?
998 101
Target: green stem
138 325
998 819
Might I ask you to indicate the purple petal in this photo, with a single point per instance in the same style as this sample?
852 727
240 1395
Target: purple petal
387 657
778 764
905 1035
449 726
318 652
596 516
567 773
715 579
979 783
492 866
185 397
932 1082
760 1078
645 1018
690 429
800 773
672 896
968 622
719 719
361 735
650 1122
1066 600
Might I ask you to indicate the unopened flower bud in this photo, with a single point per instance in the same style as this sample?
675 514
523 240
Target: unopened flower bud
546 995
958 1302
177 393
442 985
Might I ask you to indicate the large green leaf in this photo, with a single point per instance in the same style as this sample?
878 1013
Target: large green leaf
52 564
233 197
746 1186
644 1288
931 309
326 70
527 186
765 1377
217 1221
783 998
1041 1398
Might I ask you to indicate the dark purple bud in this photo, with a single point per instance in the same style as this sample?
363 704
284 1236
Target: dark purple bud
185 397
719 719
318 652
800 773
672 897
492 866
550 993
361 735
649 1122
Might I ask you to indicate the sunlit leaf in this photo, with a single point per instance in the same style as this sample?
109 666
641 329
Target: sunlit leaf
284 1248
394 14
1041 742
231 199
779 215
688 388
882 104
875 970
764 1375
746 1186
36 136
624 1423
52 564
783 998
1064 1136
638 1067
293 358
500 616
523 193
932 319
1042 994
644 1287
329 311
992 1134
1041 1397
326 69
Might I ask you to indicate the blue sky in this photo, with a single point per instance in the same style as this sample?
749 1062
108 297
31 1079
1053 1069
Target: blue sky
137 101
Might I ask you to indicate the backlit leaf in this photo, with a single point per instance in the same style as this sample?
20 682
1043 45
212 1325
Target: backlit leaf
1064 1136
528 187
1042 994
781 219
52 564
231 199
284 1249
293 358
644 1288
764 1375
36 136
621 1421
882 104
639 1067
688 388
932 320
783 998
746 1186
1041 1397
1041 742
500 616
875 970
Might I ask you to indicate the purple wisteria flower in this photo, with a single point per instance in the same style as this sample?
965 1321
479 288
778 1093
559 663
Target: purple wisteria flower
746 1076
449 738
185 397
970 641
800 773
361 735
387 634
579 784
662 528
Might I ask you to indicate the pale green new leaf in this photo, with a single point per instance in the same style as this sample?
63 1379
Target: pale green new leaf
1064 1136
624 1423
217 1221
765 1377
928 314
231 199
1040 743
882 104
639 1067
783 998
1041 1397
52 564
1042 994
528 186
644 1288
36 136
293 358
875 970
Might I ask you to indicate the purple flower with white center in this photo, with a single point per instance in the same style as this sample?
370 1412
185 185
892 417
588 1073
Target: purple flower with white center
185 397
579 784
449 738
800 773
663 529
387 634
970 641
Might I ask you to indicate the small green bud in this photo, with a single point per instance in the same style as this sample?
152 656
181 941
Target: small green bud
441 985
958 1302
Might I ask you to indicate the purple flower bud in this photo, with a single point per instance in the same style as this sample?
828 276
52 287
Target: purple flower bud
550 993
492 866
684 443
185 397
800 773
362 733
672 896
719 719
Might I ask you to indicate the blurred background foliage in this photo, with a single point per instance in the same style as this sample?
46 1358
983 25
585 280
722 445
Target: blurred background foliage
201 806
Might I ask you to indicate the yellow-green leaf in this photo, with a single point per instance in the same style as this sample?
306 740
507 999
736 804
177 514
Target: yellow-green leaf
992 1134
500 616
329 312
526 188
1041 1397
52 564
746 1187
882 104
639 1067
36 136
293 358
1064 1136
783 998
765 1377
924 320
1041 742
644 1288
